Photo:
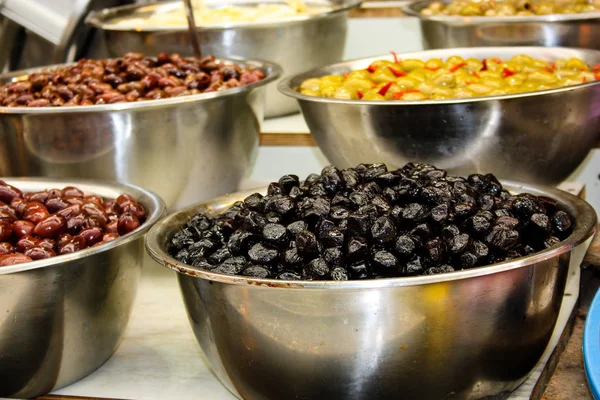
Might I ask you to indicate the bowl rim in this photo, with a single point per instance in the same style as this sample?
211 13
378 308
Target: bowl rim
97 19
288 84
414 7
585 227
158 210
272 72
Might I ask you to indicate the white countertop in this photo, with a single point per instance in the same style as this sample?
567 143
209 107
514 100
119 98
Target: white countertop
159 357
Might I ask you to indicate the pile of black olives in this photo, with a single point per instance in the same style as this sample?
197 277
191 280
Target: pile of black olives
368 222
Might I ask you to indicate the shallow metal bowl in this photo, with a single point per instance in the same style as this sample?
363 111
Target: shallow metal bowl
297 44
185 149
62 318
539 137
471 333
565 30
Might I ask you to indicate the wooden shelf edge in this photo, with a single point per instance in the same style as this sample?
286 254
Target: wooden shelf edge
287 139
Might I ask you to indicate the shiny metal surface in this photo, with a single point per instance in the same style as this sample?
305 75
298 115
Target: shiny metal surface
442 31
62 318
297 44
539 137
194 41
471 334
185 149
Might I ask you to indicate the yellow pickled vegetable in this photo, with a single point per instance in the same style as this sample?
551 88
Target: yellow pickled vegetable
455 77
505 8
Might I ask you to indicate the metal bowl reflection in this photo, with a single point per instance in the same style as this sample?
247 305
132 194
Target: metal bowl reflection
63 317
472 333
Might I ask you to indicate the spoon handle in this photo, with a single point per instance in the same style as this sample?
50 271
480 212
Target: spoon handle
194 39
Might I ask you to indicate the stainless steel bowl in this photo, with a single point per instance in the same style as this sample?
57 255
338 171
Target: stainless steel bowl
539 137
444 31
185 149
62 318
297 44
471 334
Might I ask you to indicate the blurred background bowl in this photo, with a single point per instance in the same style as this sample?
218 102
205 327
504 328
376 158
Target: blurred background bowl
472 333
63 317
558 30
185 149
539 137
297 44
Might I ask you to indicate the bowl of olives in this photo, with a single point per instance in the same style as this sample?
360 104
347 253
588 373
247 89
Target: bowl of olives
175 125
469 23
524 113
70 264
376 283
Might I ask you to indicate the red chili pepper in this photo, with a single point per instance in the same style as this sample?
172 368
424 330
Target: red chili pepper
385 88
507 72
476 75
597 76
432 69
412 91
484 67
468 83
397 95
457 66
584 80
372 68
553 65
396 72
396 59
497 60
345 75
359 93
549 70
596 68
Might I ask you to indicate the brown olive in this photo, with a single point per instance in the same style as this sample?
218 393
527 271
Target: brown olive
22 228
39 253
75 244
51 226
127 223
5 231
6 248
26 242
71 191
35 212
92 235
13 259
18 204
8 192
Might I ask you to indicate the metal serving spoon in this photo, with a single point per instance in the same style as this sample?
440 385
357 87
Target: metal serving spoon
194 35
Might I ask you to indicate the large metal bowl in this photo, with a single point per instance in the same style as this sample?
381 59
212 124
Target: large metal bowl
297 44
62 318
185 149
539 137
445 31
467 334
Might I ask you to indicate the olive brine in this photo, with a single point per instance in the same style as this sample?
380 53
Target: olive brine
368 222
